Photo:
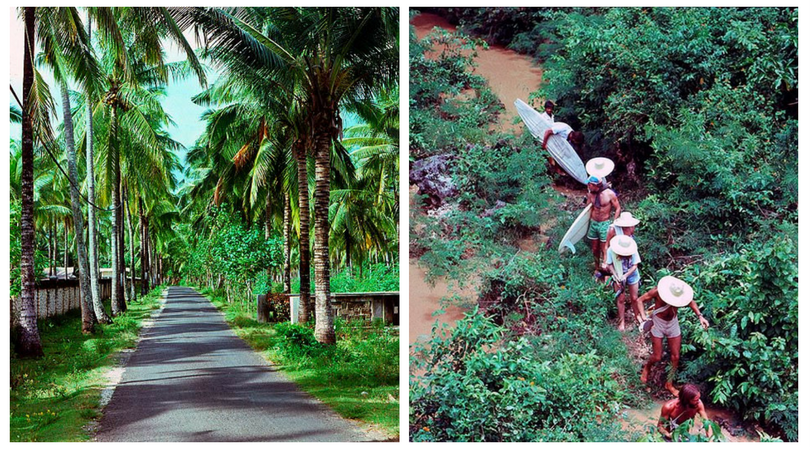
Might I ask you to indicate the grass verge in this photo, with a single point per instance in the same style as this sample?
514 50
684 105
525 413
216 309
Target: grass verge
55 397
358 378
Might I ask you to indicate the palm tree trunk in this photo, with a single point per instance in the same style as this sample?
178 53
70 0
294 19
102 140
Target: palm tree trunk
324 320
122 274
66 255
116 301
131 253
78 221
144 250
92 232
287 220
27 342
304 310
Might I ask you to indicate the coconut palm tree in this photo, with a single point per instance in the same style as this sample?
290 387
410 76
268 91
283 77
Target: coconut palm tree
27 341
67 52
331 55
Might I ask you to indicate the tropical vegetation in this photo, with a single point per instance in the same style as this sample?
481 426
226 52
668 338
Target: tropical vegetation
275 191
698 108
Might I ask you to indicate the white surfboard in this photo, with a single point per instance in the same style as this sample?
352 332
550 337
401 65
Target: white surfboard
560 149
577 231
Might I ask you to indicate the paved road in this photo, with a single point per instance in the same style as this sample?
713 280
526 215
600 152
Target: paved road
192 379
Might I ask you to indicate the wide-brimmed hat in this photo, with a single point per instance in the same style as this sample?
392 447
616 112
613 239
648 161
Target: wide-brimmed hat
675 292
626 219
623 245
599 167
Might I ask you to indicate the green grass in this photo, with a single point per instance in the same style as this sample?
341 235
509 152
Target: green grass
357 378
54 398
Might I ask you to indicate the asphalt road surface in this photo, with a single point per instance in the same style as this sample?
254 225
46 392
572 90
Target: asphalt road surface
192 379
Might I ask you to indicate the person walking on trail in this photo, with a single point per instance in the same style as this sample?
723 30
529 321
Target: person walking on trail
625 225
623 261
670 294
603 200
678 410
575 138
549 111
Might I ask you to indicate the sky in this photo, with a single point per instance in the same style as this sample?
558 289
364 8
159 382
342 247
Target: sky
186 115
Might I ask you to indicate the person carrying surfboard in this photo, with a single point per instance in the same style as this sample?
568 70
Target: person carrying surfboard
575 138
669 295
603 200
549 111
622 261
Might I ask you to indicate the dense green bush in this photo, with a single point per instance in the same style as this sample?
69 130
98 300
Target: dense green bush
475 387
15 251
750 355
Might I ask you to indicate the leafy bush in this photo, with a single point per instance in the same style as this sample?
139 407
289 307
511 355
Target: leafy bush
474 387
750 354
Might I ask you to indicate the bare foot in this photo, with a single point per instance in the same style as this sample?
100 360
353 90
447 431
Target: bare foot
644 373
672 389
621 326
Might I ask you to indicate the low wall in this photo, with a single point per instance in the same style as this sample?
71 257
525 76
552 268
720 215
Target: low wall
59 296
358 306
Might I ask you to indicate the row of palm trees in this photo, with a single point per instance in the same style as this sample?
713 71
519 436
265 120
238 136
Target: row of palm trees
287 75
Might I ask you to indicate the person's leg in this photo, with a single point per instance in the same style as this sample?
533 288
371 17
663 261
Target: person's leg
675 356
596 248
658 349
635 304
620 306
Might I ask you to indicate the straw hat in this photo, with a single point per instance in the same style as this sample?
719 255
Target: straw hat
599 167
675 292
626 219
623 245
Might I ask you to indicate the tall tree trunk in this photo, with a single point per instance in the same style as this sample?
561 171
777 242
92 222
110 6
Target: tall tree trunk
27 342
122 273
116 301
324 321
131 253
78 221
66 255
92 232
268 216
287 220
144 250
304 310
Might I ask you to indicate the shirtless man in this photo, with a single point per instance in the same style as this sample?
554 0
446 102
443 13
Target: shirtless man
603 200
670 294
681 409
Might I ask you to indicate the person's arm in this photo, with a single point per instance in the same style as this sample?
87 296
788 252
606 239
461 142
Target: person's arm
662 421
648 295
547 135
704 416
615 202
703 321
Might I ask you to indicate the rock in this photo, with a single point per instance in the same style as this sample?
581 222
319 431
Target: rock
489 212
431 176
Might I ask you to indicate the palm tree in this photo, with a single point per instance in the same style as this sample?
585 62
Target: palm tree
67 53
332 56
27 342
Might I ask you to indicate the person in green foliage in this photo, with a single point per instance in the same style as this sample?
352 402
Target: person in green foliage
623 261
549 111
679 410
603 200
670 294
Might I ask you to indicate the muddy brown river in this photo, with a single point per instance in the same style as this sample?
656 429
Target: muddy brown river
510 76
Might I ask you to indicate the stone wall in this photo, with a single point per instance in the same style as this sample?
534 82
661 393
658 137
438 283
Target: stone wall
360 306
56 297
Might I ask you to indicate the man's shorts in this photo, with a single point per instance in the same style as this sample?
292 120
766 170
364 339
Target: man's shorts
598 230
665 328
